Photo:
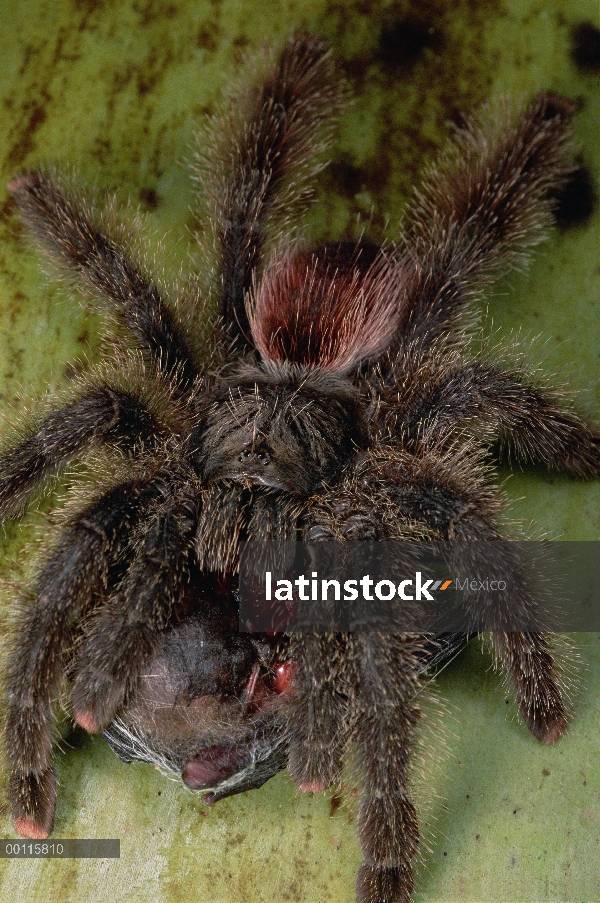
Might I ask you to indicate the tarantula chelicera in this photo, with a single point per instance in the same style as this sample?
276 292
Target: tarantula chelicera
343 400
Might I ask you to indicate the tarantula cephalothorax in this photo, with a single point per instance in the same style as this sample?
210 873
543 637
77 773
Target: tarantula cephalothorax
343 401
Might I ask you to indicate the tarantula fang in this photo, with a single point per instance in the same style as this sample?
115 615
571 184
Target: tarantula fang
343 401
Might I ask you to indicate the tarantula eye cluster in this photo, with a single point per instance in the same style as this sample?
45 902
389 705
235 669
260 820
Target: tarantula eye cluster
346 401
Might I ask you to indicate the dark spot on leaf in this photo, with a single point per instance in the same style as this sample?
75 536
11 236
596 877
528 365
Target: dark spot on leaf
26 144
236 839
149 198
576 202
146 84
378 169
343 177
90 5
77 738
7 207
585 47
402 43
38 116
208 37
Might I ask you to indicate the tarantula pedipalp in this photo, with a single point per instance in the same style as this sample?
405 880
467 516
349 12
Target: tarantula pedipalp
344 402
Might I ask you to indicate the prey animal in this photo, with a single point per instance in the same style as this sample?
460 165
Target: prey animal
342 399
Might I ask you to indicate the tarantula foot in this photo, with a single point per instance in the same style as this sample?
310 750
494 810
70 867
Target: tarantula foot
33 800
316 771
95 707
87 721
383 885
547 726
313 786
553 732
549 730
585 461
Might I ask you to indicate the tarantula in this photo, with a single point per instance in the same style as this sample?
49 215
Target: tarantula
343 400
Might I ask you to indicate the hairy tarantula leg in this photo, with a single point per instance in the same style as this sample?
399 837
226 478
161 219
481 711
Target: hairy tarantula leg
388 827
527 660
450 495
272 131
319 717
485 204
530 422
74 577
105 415
123 634
66 231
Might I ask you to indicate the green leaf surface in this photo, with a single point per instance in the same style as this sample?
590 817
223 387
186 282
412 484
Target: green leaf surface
114 90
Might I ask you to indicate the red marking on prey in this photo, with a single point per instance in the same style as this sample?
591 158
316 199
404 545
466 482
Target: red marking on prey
251 688
284 677
212 765
262 689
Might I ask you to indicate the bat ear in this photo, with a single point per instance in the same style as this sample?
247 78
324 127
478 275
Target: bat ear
330 308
